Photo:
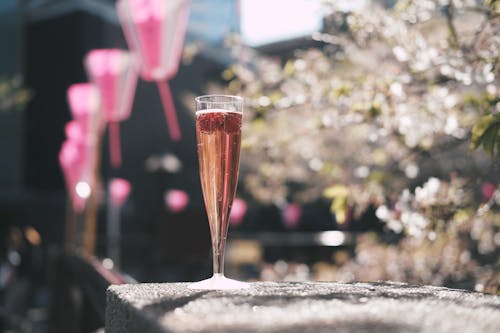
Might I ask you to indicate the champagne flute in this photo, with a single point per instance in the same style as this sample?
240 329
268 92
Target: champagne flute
218 133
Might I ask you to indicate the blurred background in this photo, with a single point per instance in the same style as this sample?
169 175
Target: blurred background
371 144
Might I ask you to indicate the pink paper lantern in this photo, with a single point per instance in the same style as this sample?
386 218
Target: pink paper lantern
113 71
71 165
176 200
154 30
74 132
84 103
238 211
68 159
119 190
77 139
291 215
487 190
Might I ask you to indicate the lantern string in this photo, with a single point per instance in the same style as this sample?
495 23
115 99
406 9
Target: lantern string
114 144
169 109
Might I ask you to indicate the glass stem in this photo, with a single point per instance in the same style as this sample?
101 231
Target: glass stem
218 255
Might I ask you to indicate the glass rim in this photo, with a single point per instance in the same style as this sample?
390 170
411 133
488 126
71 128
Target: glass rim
230 99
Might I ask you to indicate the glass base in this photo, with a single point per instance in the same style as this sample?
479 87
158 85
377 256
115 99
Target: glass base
219 282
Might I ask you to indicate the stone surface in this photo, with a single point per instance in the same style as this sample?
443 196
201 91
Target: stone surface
300 307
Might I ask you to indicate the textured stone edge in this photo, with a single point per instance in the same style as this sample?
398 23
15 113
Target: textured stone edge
119 313
132 301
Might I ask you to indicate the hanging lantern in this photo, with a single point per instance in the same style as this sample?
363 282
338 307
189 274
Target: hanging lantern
76 136
291 215
84 103
238 211
113 71
176 200
74 132
71 165
154 30
487 190
119 190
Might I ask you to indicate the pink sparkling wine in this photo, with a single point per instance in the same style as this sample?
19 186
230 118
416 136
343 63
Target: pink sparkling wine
219 140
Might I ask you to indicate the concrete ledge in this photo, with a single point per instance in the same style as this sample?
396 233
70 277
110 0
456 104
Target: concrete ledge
300 307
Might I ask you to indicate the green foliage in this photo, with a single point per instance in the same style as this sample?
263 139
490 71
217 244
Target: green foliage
338 194
13 95
483 103
494 5
486 133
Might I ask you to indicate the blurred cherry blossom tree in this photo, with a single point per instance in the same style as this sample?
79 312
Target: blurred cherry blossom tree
387 110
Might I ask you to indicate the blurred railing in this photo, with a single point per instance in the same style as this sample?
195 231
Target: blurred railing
79 289
330 238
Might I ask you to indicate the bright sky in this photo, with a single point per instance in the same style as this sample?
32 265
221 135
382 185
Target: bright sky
268 21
